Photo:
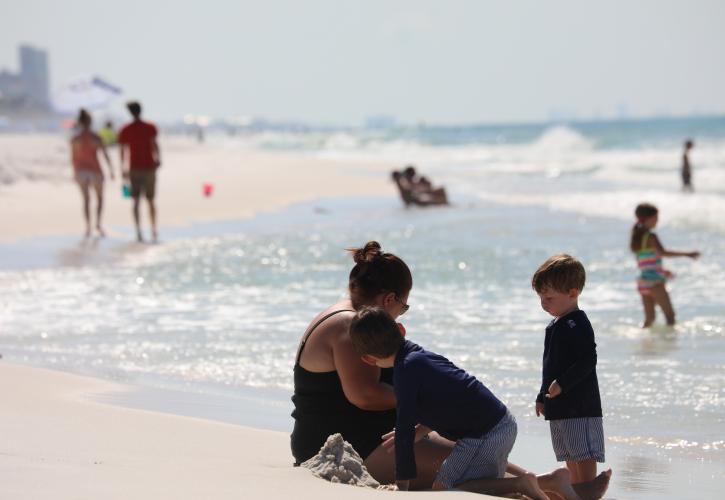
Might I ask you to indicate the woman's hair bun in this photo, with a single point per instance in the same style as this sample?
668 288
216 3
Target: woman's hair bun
370 251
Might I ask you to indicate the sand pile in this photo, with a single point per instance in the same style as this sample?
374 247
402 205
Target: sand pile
338 462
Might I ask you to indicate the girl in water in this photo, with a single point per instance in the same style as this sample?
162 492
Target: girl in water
649 251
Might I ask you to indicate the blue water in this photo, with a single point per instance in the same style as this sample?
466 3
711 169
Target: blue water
218 309
637 134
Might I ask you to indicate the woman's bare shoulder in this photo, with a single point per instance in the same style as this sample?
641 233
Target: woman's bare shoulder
327 338
332 321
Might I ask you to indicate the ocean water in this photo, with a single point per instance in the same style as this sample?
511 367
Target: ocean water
218 309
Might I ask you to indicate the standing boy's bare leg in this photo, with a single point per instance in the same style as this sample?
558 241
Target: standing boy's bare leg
574 471
586 470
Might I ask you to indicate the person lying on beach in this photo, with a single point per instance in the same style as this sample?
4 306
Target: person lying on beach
85 146
429 194
415 190
434 394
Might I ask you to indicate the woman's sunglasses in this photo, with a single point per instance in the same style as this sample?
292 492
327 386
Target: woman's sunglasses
405 306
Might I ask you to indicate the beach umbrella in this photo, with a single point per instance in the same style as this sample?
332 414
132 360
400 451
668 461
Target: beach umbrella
90 92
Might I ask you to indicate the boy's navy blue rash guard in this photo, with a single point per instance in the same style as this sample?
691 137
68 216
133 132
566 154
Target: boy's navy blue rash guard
432 391
570 357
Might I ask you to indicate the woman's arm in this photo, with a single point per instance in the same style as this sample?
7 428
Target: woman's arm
360 381
671 253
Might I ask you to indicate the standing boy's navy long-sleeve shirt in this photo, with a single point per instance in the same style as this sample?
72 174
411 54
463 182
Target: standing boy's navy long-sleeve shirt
432 391
570 358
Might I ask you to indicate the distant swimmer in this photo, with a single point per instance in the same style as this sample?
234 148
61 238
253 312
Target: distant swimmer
85 146
138 144
686 168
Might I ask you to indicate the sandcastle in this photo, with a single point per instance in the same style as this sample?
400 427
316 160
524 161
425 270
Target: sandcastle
338 462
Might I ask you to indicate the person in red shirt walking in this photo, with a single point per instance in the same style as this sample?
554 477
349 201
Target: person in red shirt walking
137 141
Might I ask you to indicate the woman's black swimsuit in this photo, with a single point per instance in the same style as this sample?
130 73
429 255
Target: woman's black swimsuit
321 409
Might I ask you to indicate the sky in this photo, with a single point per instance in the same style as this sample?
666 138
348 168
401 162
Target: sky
340 61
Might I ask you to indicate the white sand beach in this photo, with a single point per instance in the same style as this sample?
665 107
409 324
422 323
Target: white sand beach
36 181
59 443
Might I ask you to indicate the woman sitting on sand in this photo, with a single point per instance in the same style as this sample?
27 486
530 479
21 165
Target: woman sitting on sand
87 169
336 392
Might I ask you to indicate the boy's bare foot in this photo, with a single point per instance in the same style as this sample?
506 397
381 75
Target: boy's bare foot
559 482
529 486
596 488
88 232
100 231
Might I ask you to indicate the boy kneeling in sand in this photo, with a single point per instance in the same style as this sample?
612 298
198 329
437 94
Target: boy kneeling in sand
434 394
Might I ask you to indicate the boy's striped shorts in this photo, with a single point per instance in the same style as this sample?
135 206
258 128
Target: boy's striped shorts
577 439
479 458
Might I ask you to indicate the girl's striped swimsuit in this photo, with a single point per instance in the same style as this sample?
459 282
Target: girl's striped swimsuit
649 262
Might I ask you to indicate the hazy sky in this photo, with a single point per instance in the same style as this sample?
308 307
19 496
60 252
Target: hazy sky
338 61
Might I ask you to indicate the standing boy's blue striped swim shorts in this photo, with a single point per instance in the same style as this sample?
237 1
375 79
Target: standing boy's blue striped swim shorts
577 439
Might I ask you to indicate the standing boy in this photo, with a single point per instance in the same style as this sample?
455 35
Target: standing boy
569 396
433 392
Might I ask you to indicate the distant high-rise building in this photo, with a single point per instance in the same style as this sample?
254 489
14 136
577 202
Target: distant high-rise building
34 73
27 90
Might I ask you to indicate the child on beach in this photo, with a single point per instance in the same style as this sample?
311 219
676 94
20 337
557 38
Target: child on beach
569 395
434 394
649 251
